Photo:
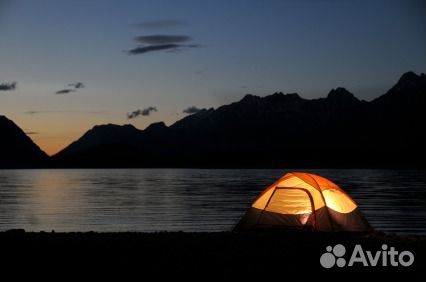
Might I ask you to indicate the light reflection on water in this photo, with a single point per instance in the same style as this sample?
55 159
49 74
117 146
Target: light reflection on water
187 199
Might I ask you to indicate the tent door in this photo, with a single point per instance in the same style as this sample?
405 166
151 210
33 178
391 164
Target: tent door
289 207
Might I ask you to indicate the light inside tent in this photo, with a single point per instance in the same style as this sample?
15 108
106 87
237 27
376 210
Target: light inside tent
338 201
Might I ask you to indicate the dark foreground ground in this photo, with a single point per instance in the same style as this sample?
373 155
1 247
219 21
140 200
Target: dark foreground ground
203 255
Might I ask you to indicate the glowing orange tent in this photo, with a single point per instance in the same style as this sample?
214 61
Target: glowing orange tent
305 201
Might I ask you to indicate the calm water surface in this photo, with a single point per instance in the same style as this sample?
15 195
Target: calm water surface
187 199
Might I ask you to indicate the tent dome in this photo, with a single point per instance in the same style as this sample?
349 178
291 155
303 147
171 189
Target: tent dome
304 201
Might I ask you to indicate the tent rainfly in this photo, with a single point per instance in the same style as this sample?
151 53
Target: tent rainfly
304 201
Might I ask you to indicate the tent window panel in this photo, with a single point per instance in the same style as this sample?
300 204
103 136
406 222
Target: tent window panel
290 201
338 201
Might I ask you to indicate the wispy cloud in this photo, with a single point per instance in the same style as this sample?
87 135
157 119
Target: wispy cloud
161 42
144 112
74 87
77 85
151 48
31 133
65 91
162 39
35 112
161 47
8 86
191 110
161 24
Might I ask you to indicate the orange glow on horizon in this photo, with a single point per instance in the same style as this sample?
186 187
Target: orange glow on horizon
51 147
53 134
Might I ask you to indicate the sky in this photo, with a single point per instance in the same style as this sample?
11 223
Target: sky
79 63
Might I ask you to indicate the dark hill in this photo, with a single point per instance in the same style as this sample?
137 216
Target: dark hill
17 150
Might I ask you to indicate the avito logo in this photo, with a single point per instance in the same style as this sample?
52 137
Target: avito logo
384 257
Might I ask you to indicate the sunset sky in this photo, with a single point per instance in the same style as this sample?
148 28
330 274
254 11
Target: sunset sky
165 56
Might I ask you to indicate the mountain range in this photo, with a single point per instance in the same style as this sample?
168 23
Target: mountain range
279 130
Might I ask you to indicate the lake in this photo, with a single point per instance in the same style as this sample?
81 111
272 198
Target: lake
187 199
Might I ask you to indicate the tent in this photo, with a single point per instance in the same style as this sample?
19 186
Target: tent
304 201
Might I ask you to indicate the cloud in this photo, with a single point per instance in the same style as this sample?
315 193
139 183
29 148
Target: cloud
8 86
151 48
161 24
161 42
65 91
191 110
162 47
31 133
160 39
34 112
77 85
144 112
74 85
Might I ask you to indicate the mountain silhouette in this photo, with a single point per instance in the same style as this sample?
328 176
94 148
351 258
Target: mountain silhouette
17 150
273 131
279 130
